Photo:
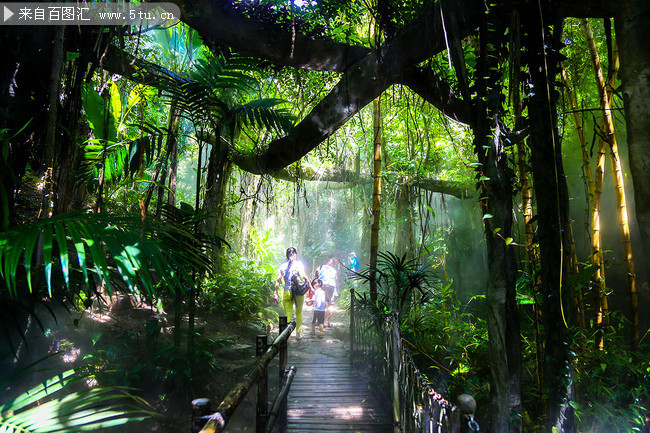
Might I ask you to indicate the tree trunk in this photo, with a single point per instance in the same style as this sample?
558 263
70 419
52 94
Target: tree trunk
213 204
632 23
169 165
173 164
52 121
605 93
600 298
495 181
552 210
247 214
401 242
376 193
70 194
366 229
522 163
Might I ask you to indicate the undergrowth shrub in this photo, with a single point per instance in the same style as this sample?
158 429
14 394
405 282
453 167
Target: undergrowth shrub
613 385
448 342
242 291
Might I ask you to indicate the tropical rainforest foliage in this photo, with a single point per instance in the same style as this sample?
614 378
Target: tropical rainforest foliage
458 147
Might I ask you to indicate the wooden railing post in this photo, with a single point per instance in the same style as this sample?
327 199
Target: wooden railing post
352 336
278 415
262 387
283 347
467 406
200 409
217 421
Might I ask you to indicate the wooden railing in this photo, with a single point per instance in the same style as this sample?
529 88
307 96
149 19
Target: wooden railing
206 421
416 406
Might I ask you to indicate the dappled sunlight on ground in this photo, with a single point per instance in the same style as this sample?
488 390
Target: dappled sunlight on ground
350 412
101 318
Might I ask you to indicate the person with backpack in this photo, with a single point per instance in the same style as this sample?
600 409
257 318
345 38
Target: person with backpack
328 275
292 278
353 262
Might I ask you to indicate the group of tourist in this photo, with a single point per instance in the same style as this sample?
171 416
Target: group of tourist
322 291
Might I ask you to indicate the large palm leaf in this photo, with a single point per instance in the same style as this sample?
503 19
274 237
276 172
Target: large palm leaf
102 246
43 410
208 95
109 152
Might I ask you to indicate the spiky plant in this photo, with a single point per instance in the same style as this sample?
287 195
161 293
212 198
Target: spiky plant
402 285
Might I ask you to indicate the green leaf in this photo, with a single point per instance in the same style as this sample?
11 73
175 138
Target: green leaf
47 256
30 241
508 241
139 92
86 410
80 249
525 300
487 216
94 106
63 251
92 240
116 102
97 114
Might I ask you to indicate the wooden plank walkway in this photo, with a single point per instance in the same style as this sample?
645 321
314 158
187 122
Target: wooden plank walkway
327 395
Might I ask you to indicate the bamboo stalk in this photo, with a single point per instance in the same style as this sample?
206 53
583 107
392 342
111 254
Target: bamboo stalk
600 298
219 419
376 194
598 283
605 93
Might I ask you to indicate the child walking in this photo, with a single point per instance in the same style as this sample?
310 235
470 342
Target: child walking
320 305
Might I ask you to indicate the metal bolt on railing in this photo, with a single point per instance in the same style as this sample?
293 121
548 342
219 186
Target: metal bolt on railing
200 410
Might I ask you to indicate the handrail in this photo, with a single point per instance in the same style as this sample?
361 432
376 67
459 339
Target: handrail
365 333
417 407
281 399
217 421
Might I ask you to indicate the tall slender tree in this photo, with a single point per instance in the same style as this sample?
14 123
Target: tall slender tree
552 211
376 193
608 137
495 178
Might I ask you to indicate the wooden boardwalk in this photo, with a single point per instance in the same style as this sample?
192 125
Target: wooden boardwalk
329 396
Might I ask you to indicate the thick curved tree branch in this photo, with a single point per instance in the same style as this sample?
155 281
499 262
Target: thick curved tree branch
218 23
364 78
341 178
358 86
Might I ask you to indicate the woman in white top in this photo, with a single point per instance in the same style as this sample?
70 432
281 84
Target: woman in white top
286 272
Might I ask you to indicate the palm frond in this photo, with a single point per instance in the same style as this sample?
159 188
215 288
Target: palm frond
138 250
259 114
42 410
122 159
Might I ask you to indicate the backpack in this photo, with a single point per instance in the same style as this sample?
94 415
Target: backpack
298 289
